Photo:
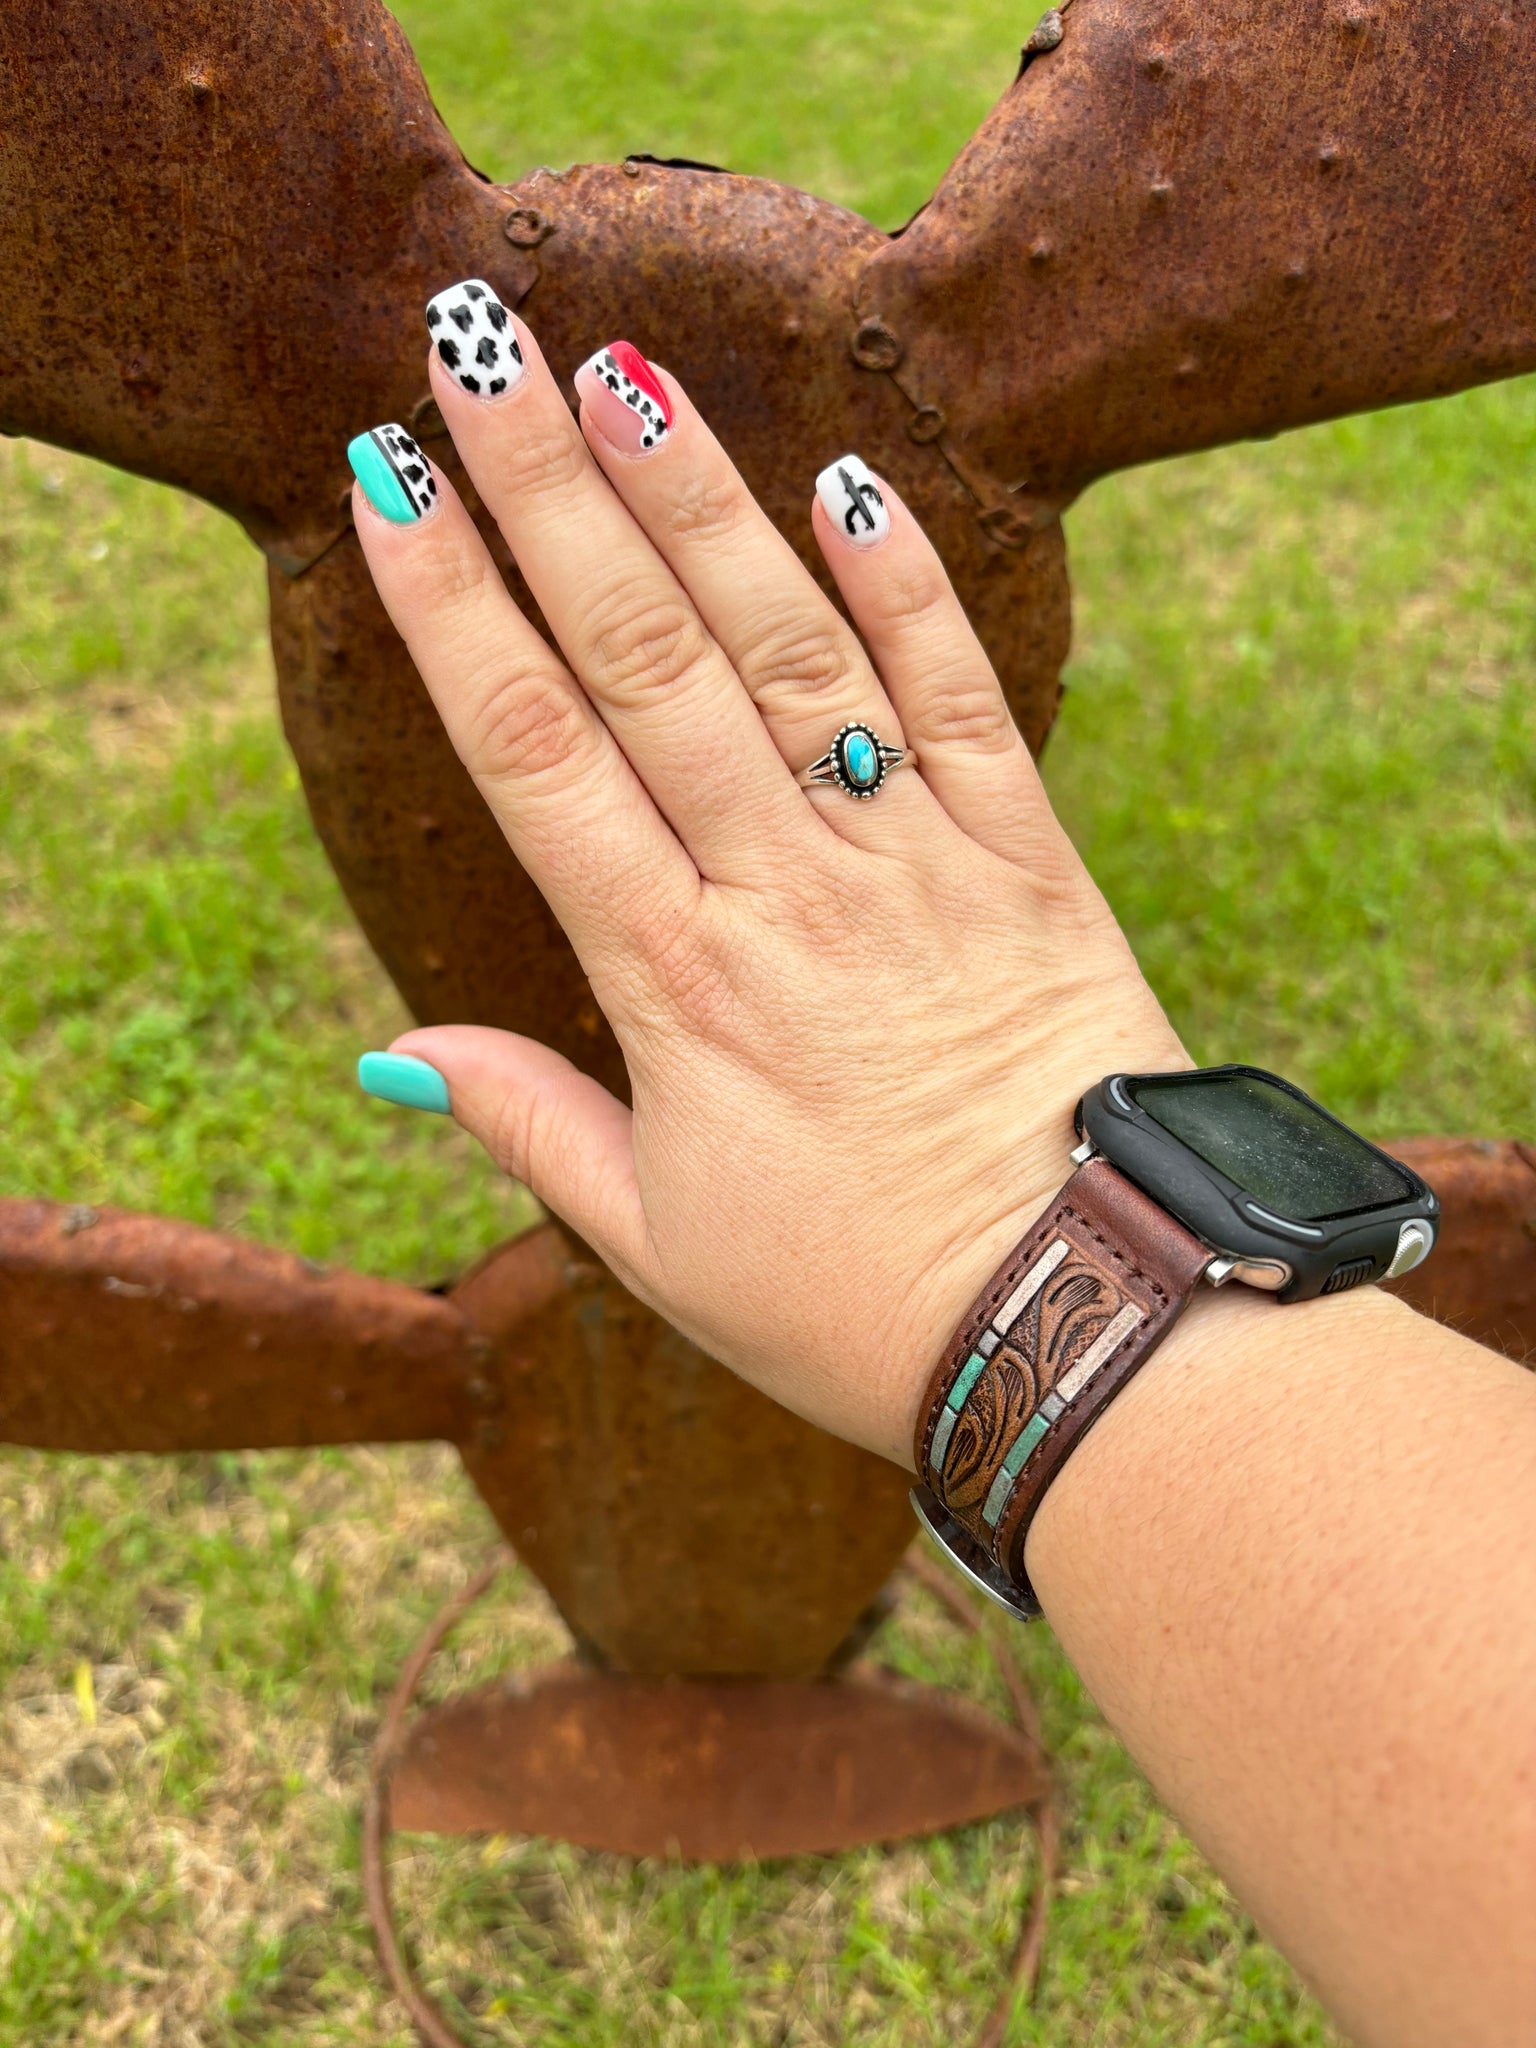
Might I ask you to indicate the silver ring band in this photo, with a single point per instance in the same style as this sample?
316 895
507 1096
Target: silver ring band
857 763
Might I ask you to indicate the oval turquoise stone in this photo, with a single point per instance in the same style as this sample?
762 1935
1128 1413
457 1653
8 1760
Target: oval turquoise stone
860 760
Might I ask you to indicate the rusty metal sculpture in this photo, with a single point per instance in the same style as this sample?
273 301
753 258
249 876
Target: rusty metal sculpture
1187 221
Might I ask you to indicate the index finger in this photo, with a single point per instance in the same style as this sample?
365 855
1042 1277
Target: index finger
572 809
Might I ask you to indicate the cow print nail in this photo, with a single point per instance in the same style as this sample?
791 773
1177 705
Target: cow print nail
475 338
625 371
408 465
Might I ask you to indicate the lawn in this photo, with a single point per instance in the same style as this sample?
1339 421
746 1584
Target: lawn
1298 752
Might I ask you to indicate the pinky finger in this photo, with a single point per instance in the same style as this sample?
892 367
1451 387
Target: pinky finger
935 670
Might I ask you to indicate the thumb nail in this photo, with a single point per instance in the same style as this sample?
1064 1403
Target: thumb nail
399 1077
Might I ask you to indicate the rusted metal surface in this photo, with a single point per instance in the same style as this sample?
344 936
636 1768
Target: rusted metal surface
137 1333
682 1521
597 1444
1190 222
750 1768
1482 1277
466 1769
215 219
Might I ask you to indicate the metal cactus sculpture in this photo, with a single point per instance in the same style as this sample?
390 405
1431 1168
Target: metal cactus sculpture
1187 222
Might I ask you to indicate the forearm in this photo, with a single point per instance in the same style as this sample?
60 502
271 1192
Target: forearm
1295 1563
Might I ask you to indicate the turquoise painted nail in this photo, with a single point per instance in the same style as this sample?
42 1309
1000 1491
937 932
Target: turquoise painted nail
397 1077
394 473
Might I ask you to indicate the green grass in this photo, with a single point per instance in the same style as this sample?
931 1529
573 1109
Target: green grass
1298 752
1311 668
866 106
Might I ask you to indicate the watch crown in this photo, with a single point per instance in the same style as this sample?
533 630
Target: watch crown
1414 1243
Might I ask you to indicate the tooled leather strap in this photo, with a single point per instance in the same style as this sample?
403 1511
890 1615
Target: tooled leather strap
1061 1326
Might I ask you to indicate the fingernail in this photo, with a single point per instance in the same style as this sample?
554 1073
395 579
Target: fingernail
475 338
393 473
626 397
851 499
397 1077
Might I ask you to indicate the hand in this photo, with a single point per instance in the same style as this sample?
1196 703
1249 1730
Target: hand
855 1030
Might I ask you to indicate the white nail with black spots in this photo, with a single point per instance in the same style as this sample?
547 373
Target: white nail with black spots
851 499
475 339
409 465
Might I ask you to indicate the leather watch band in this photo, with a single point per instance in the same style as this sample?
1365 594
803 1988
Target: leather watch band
1066 1320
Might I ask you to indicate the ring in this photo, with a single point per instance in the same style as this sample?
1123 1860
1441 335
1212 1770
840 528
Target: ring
857 762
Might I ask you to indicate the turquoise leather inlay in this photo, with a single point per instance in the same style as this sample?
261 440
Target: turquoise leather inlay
954 1401
965 1379
386 493
1008 1471
397 1077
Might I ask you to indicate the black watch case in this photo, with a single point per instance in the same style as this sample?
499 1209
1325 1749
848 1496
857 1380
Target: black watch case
1316 1210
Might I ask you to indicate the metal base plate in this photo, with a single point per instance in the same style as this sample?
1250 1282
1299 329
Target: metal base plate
710 1770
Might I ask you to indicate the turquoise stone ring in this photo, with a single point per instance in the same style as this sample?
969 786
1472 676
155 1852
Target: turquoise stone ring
857 762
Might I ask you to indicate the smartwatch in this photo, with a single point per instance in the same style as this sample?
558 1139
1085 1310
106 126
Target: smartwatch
1216 1175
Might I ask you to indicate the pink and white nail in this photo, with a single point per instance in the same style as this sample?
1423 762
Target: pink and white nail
851 499
626 397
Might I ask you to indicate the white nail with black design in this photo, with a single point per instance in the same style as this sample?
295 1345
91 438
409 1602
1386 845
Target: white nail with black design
851 499
473 334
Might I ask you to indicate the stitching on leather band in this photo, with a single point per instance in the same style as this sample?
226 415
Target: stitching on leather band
1137 1272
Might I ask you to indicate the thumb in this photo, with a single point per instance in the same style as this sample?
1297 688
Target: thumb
542 1120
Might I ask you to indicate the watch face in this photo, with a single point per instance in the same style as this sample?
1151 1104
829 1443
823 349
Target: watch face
1276 1145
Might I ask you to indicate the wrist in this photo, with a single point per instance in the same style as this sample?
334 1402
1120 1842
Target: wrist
938 1300
1036 1166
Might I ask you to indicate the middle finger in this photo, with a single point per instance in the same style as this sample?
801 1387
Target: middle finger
624 622
799 661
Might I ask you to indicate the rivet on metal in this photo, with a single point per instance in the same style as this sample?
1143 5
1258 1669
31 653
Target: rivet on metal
1009 528
1154 64
1040 251
1354 24
630 170
1161 192
525 227
198 86
926 424
1046 33
874 347
1186 368
1327 157
1295 275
